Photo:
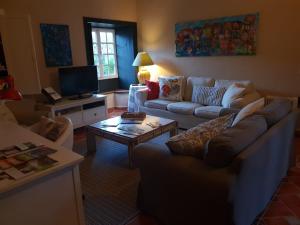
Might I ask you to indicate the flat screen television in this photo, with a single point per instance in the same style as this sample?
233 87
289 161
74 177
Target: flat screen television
79 81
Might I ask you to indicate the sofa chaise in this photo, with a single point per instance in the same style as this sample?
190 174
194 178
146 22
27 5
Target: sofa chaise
234 182
188 113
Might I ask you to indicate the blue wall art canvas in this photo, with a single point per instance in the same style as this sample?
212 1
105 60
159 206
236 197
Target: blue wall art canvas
57 47
225 36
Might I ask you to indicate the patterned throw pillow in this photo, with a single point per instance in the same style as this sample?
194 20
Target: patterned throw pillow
170 88
211 96
51 129
193 141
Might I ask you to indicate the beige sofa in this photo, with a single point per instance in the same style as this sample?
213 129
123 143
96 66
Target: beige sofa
188 113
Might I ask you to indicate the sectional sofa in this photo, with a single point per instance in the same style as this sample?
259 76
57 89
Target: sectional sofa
188 113
231 184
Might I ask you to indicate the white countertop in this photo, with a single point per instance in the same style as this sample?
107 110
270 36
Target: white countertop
12 134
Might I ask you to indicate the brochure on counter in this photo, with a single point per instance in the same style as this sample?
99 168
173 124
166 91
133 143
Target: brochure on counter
24 159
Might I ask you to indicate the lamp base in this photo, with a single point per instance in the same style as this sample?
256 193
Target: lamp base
143 75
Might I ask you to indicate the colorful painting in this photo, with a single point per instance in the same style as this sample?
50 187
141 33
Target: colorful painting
225 36
57 47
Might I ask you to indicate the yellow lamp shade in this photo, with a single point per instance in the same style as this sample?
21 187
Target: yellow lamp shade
143 59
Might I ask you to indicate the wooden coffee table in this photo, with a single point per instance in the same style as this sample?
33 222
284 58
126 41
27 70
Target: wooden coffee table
128 138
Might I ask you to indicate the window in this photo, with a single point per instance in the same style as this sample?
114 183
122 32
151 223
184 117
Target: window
104 50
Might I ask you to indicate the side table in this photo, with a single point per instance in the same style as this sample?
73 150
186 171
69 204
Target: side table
132 107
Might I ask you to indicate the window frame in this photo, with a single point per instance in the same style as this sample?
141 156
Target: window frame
97 30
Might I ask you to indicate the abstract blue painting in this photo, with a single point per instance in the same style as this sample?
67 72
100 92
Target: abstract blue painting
57 47
227 36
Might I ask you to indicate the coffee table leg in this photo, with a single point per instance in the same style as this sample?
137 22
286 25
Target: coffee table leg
173 132
131 154
91 141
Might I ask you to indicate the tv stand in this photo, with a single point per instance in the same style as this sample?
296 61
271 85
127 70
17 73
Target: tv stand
81 96
82 111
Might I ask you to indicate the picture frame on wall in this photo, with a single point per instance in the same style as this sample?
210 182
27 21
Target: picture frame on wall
226 36
57 45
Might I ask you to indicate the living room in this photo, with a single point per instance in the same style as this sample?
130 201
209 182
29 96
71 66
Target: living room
116 175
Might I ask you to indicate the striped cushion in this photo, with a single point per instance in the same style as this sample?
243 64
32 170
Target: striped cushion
208 95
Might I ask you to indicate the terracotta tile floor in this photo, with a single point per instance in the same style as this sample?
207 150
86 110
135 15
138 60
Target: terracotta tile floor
284 208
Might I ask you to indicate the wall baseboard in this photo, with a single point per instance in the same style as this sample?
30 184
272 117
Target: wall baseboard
110 110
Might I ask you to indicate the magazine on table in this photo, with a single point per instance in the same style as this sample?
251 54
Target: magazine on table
131 129
24 159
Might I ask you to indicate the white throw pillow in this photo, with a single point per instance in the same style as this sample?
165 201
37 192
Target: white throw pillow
249 110
6 114
170 88
233 92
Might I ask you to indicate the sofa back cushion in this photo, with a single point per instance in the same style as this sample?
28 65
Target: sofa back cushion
244 83
275 110
223 148
211 96
193 141
171 88
192 81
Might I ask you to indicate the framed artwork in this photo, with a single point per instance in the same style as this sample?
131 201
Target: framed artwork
57 47
225 36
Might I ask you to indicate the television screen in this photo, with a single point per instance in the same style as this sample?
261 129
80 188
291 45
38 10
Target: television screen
78 80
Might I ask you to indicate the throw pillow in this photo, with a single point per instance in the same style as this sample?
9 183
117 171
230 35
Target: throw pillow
249 110
153 89
211 96
51 129
6 114
233 92
171 88
193 141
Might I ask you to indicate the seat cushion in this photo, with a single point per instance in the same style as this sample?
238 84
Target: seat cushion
158 103
275 110
223 148
195 80
193 141
183 107
208 112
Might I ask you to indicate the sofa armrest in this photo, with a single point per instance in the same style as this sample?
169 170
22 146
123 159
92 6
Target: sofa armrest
141 96
168 182
245 100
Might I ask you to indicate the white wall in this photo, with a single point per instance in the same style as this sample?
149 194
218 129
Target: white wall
70 12
275 68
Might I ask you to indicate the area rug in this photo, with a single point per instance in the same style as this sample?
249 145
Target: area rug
108 185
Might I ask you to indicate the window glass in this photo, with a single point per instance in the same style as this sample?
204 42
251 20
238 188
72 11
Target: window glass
104 49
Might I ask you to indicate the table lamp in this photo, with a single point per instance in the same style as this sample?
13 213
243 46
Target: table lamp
143 59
